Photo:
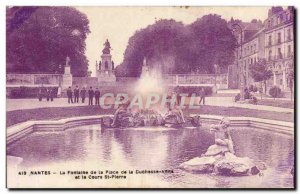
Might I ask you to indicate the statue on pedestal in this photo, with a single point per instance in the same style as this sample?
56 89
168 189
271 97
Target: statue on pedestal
107 47
67 61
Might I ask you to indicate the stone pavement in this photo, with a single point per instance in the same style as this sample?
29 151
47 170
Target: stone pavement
19 104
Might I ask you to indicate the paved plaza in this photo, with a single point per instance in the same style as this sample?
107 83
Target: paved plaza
21 104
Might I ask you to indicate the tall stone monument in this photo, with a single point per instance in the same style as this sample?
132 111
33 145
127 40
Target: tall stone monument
67 76
105 69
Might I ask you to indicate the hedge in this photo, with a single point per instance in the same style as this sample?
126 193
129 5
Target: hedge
29 92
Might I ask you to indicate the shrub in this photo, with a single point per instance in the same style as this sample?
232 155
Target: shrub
237 97
254 100
253 88
246 93
275 92
28 92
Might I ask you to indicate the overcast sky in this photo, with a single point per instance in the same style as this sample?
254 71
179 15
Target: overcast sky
118 24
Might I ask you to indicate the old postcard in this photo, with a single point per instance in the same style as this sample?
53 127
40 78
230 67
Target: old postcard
150 97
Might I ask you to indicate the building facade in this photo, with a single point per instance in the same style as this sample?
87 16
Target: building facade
273 41
279 44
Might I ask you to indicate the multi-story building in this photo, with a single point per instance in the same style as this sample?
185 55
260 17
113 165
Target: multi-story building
250 47
279 44
273 41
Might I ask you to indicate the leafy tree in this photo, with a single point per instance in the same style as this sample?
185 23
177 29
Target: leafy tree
260 72
195 48
40 38
213 41
155 41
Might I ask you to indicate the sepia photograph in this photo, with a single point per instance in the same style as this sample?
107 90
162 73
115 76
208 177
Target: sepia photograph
150 97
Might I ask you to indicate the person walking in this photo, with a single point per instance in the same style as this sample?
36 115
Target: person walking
178 97
51 94
97 96
91 96
40 94
70 95
48 91
202 96
82 94
76 94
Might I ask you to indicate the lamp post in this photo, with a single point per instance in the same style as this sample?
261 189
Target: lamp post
243 78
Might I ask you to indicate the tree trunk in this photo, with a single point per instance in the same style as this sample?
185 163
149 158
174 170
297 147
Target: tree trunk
265 83
260 90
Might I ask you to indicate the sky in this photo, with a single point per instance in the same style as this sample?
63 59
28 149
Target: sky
118 24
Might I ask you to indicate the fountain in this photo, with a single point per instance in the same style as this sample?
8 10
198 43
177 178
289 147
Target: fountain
150 84
220 159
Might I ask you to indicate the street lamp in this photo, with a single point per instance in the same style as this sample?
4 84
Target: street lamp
243 79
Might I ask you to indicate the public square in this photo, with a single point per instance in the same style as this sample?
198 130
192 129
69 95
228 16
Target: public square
186 97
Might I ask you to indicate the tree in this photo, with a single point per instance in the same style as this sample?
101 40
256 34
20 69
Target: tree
40 38
153 42
195 48
213 43
260 72
275 92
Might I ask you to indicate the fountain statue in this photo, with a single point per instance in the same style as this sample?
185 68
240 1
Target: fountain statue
220 158
150 82
125 118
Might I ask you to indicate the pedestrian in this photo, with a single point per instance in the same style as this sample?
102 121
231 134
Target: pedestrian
52 94
76 94
48 94
178 97
70 95
82 94
202 96
91 96
97 96
40 94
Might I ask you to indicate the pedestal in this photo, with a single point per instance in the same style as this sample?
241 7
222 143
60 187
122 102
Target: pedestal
67 81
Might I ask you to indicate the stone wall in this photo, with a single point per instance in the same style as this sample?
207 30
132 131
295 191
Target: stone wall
221 80
31 80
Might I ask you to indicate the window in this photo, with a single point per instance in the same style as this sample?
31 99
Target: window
279 38
289 37
289 51
279 53
254 47
270 55
281 18
270 40
272 22
288 15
